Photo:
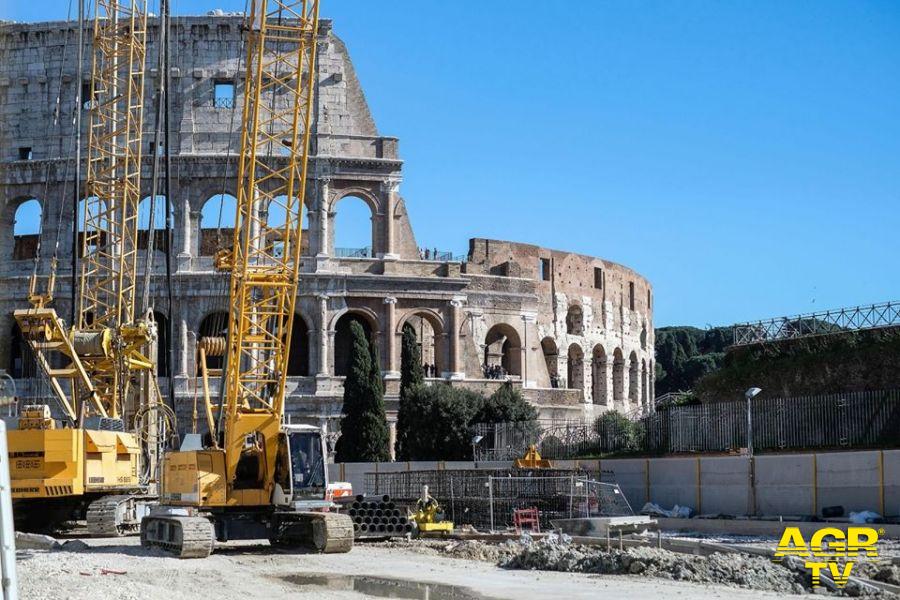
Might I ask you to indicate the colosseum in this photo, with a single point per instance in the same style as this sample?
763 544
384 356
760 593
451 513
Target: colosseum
574 332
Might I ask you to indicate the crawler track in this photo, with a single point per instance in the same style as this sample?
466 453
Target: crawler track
183 537
116 515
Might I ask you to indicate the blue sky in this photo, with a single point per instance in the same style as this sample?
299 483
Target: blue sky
744 156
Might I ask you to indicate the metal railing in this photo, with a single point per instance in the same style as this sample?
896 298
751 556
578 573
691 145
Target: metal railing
223 103
365 252
824 421
886 314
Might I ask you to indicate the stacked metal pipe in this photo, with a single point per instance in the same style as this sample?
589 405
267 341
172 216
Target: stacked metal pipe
378 516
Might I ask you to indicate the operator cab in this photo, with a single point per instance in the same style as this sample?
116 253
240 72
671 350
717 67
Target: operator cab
304 460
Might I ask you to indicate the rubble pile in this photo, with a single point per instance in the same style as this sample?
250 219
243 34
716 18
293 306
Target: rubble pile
752 572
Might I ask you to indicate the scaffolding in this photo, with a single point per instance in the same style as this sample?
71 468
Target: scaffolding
487 499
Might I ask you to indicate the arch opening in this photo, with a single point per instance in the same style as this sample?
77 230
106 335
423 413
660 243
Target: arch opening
429 338
27 229
599 368
618 378
92 224
298 360
217 223
277 219
551 358
633 381
575 367
155 223
353 226
502 352
343 339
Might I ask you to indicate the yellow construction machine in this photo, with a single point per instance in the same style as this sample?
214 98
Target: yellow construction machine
256 477
84 458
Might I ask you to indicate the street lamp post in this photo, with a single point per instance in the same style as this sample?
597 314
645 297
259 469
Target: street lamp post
750 394
475 440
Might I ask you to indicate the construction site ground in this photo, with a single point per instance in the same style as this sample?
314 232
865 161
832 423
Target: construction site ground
437 569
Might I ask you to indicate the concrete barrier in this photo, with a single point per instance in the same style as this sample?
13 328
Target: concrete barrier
783 484
725 486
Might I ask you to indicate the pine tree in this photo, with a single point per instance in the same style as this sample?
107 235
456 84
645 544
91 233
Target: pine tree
364 430
411 376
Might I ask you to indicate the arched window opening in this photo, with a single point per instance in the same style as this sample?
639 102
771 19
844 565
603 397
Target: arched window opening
92 225
576 367
598 376
502 352
644 337
276 218
27 229
575 320
298 361
618 378
644 386
428 337
353 227
214 325
217 223
162 344
551 357
155 222
343 340
633 381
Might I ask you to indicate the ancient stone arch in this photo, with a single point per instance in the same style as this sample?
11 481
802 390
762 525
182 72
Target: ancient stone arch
575 367
343 340
503 347
551 357
216 223
599 370
633 381
428 325
618 379
26 228
298 361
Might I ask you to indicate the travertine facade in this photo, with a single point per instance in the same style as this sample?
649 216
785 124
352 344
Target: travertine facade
575 332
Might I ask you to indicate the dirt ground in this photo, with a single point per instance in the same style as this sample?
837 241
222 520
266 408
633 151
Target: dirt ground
369 571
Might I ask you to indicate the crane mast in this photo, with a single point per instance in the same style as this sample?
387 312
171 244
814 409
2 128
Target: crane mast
264 261
109 244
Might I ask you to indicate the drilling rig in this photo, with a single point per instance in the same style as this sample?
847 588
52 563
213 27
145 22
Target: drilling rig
256 477
88 459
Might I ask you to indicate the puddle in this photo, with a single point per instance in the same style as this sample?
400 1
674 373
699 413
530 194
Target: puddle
384 587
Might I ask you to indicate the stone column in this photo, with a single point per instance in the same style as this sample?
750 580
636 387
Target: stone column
190 219
322 216
323 370
389 191
390 346
184 354
456 371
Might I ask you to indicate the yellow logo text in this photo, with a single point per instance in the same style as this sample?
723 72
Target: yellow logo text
829 549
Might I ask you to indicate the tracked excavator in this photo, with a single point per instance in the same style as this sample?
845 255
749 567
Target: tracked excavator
256 477
84 453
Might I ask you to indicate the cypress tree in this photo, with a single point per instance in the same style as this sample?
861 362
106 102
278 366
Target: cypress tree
411 377
364 431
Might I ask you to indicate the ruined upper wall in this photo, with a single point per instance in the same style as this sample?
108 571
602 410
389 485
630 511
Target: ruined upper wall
38 62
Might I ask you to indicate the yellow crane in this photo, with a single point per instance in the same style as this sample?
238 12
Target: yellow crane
89 460
258 478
